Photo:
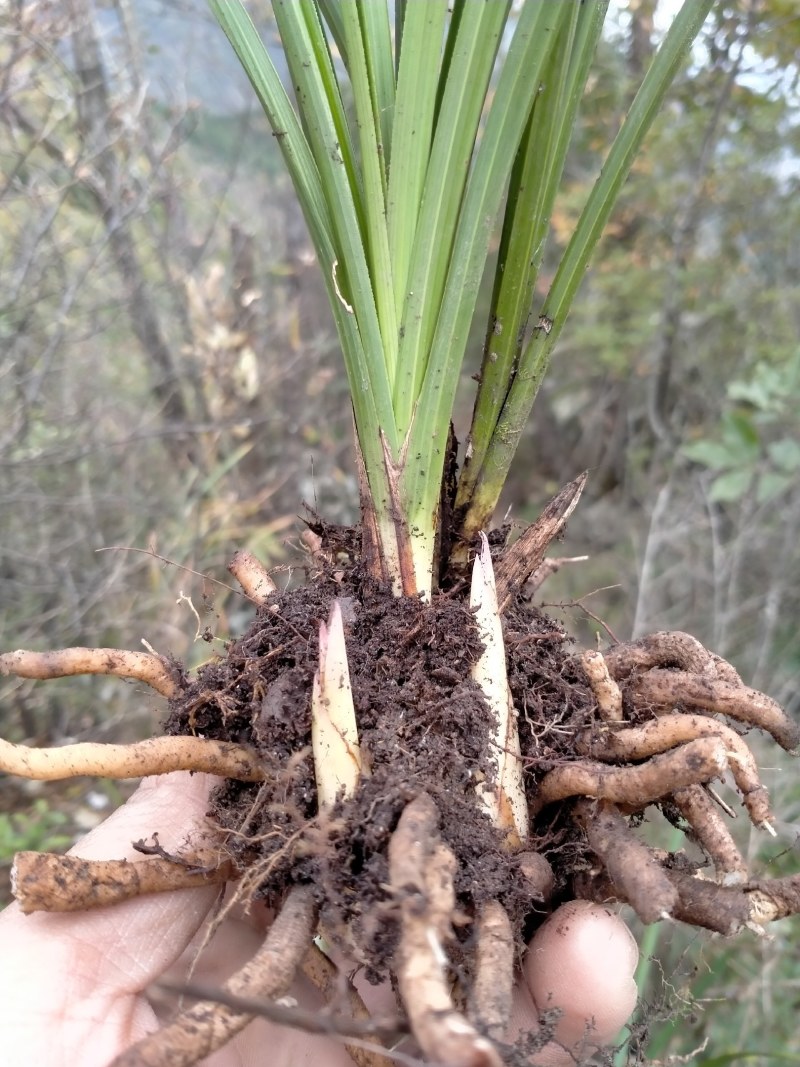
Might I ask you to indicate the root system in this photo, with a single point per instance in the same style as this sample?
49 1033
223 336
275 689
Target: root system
399 864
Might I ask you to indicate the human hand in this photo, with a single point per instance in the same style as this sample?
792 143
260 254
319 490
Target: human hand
73 987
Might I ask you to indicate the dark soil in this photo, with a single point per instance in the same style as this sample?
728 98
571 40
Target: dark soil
423 726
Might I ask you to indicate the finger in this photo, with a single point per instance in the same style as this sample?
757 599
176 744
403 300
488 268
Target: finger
171 805
581 962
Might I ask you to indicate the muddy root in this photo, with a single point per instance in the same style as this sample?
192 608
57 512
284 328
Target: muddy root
489 1005
156 671
421 871
44 881
156 755
411 875
254 578
696 762
666 732
632 868
709 830
668 689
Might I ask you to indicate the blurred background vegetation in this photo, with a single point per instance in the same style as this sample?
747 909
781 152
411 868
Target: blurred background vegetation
169 384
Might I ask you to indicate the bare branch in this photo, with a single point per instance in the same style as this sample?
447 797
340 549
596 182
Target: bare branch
527 552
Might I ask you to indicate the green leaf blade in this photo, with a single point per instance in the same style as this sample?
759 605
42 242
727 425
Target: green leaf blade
535 358
415 101
320 104
371 403
367 104
480 29
377 35
534 183
534 38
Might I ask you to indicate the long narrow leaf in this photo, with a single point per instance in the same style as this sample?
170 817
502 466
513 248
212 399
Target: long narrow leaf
320 105
534 37
370 417
479 31
272 96
332 14
399 24
377 36
369 130
417 79
534 182
317 90
456 11
536 356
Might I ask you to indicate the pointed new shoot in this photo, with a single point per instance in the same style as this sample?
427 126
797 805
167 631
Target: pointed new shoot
334 734
505 800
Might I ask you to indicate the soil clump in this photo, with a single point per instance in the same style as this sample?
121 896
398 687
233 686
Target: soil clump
424 727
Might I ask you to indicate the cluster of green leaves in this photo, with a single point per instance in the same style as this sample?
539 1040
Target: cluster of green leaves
39 829
458 112
751 452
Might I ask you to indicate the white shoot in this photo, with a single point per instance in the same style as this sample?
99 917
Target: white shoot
334 734
505 800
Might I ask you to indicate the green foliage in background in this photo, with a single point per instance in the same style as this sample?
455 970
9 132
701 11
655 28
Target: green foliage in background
38 829
751 453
